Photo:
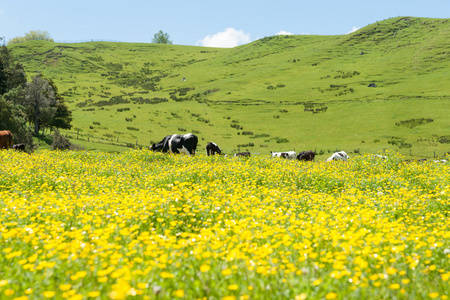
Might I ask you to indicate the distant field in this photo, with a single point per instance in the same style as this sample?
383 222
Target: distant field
277 93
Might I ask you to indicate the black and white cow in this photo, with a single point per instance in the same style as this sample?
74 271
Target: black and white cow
341 155
177 143
19 147
212 149
285 154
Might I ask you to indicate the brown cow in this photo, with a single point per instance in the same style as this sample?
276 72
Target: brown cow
6 139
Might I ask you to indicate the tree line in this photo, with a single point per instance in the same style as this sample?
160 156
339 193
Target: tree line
26 107
37 35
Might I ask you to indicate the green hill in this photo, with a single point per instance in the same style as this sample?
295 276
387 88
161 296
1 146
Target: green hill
277 93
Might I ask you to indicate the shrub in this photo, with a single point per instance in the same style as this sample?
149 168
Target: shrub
282 140
62 143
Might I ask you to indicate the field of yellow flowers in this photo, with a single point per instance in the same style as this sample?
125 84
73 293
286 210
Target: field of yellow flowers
143 225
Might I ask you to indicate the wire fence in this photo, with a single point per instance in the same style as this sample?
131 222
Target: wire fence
89 41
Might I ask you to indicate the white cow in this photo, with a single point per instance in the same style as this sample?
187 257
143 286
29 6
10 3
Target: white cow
341 155
285 154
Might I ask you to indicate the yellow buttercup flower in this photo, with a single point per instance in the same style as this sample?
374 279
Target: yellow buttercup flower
204 268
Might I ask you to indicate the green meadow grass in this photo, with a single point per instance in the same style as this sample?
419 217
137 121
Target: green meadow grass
277 93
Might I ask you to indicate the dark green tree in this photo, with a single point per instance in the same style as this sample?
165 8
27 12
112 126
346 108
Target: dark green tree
13 118
62 117
161 38
12 74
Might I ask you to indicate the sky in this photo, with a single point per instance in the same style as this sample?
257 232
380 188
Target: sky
208 23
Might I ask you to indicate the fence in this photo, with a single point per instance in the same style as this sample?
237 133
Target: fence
100 140
87 41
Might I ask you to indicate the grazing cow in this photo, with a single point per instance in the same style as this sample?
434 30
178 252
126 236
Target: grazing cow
244 154
306 155
285 154
212 149
341 155
6 139
177 143
19 147
380 156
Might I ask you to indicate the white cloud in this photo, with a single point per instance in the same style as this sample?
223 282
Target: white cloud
226 39
354 28
282 32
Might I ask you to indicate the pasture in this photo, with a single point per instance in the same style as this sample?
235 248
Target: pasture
275 94
144 225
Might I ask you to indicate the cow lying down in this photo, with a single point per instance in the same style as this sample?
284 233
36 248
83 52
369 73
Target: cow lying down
177 143
341 155
285 154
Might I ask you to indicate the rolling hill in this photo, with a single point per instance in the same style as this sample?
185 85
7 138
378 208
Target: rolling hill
383 86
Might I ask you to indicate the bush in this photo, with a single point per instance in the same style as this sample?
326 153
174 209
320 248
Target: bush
62 143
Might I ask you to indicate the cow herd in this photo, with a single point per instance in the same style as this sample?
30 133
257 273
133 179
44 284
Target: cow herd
187 144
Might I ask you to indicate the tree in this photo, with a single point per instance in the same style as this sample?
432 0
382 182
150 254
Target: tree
161 38
12 74
13 118
40 100
63 116
33 35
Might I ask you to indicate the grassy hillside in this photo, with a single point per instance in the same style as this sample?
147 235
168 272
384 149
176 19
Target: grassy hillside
277 93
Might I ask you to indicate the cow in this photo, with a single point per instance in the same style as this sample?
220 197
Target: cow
306 155
285 154
421 160
212 149
243 154
440 161
341 155
6 139
177 143
19 147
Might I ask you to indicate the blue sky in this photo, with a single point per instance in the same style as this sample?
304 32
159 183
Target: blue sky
202 23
